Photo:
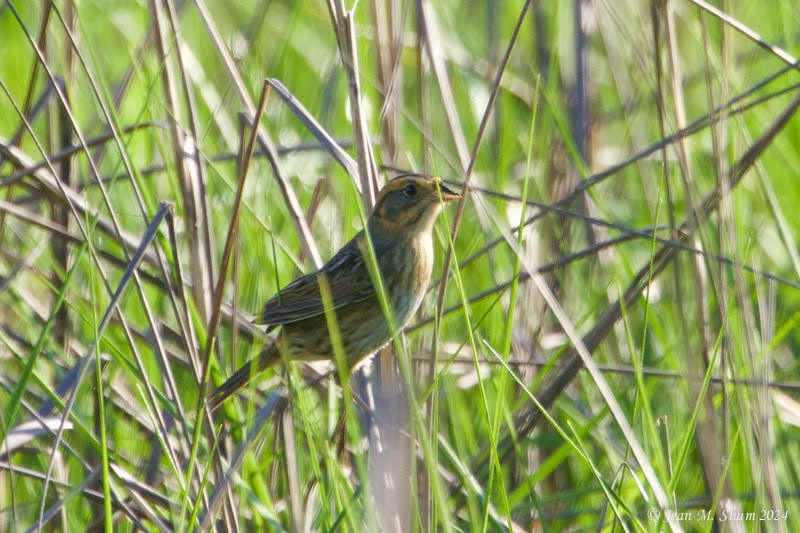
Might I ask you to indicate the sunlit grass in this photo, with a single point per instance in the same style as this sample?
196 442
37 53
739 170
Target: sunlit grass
657 195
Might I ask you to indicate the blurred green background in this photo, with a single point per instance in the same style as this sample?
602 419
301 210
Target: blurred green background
654 142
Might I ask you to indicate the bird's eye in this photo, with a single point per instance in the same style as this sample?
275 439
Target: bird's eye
410 190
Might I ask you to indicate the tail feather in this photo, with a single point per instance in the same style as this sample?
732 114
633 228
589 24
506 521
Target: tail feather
268 357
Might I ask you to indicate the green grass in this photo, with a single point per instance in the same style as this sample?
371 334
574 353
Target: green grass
629 355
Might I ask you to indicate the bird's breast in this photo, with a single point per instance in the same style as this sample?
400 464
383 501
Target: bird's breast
406 268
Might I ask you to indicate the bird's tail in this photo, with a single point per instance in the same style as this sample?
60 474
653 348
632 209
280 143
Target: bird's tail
268 357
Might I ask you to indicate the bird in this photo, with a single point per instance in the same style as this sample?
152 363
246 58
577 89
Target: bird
400 229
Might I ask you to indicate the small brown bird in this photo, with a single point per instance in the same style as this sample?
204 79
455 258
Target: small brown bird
401 230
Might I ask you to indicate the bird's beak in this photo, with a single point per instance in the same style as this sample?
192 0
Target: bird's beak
447 195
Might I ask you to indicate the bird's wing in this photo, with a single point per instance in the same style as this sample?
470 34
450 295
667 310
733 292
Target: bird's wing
348 280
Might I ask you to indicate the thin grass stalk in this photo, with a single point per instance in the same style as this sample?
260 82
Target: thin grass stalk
325 139
344 27
390 465
213 325
707 443
189 172
289 196
473 159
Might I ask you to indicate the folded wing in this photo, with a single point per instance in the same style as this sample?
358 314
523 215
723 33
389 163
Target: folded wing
347 278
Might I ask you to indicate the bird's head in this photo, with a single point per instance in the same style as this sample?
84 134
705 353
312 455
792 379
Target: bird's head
409 205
